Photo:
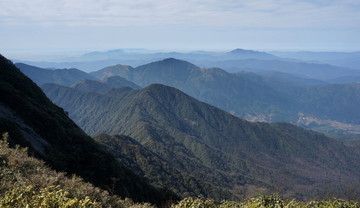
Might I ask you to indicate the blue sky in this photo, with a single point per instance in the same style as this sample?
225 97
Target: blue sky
53 26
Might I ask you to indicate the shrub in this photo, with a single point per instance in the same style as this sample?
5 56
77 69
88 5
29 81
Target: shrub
27 182
272 201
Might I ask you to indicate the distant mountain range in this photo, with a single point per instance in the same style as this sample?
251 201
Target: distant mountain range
195 143
214 86
197 55
32 120
269 97
60 76
305 64
96 60
323 72
266 96
344 59
280 81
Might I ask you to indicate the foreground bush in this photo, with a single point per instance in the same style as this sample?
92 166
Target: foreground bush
273 201
27 182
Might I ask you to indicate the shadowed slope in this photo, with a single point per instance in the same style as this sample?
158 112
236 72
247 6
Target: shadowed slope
65 146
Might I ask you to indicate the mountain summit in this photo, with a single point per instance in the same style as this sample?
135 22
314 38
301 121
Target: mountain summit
250 54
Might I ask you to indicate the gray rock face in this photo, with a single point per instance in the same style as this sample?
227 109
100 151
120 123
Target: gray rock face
36 141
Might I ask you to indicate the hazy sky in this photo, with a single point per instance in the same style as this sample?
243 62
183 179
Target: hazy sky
38 26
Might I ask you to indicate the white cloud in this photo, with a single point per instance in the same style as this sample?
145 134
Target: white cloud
236 13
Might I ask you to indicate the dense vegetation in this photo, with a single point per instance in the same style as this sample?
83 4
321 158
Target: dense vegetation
53 137
272 201
337 101
27 182
210 145
158 171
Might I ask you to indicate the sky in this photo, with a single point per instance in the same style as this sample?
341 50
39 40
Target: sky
32 27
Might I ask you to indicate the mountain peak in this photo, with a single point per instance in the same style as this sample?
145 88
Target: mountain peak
173 61
159 87
122 66
116 70
161 90
251 54
169 63
170 67
244 51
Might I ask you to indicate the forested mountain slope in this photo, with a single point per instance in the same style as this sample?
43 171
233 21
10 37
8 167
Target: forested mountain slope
212 145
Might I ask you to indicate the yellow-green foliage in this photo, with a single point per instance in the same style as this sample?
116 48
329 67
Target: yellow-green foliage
273 201
195 203
27 182
46 197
